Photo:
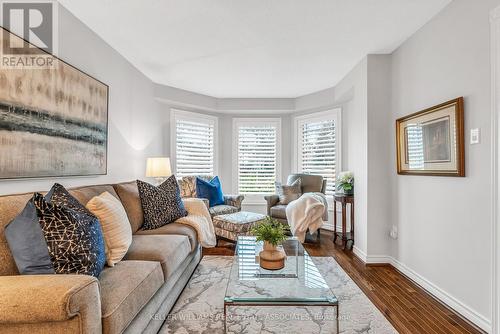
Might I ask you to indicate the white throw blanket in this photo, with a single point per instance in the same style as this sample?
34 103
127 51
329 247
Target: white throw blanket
199 218
305 213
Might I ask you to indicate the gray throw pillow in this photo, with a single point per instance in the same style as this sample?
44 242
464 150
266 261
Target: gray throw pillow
27 243
288 193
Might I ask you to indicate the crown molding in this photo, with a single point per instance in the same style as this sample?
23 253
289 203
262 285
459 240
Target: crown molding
179 98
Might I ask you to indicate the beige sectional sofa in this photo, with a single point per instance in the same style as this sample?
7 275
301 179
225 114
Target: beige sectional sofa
134 296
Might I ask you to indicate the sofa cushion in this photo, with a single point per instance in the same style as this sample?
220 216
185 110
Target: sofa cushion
278 211
86 193
169 250
222 210
125 289
129 195
175 228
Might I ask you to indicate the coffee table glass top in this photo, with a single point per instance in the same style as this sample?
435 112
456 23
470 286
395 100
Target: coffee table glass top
299 282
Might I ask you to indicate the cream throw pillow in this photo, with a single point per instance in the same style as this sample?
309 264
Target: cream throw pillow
115 226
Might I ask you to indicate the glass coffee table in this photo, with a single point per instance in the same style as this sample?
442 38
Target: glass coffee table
299 283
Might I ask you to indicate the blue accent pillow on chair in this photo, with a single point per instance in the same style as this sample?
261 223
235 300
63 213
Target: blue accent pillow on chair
210 190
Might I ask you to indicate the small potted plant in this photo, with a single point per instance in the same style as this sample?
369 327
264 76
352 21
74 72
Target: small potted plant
345 182
272 233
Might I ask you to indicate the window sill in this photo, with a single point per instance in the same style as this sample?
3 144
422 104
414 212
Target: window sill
255 199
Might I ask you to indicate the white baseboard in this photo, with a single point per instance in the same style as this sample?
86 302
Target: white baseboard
359 253
446 298
463 309
375 259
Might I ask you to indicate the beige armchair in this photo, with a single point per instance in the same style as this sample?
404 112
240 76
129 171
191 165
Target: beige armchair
309 183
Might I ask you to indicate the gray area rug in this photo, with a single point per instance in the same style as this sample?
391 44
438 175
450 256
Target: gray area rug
200 307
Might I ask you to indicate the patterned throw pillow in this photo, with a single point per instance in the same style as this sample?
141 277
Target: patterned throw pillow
187 185
74 239
56 234
288 193
58 195
162 204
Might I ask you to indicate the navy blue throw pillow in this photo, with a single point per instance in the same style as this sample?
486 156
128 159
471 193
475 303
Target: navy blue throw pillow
60 196
74 239
56 234
210 190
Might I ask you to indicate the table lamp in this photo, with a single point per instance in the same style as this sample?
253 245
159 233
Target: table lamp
159 168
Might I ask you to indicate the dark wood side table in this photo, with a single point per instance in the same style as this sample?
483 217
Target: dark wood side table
346 237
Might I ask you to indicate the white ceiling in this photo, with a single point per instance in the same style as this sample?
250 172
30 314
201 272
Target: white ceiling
252 48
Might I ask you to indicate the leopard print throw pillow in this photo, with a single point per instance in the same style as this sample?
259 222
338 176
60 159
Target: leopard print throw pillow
161 205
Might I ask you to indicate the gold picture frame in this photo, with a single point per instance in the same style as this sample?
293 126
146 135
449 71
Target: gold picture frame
431 142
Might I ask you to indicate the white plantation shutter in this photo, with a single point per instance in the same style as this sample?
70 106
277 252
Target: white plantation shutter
257 152
194 146
317 147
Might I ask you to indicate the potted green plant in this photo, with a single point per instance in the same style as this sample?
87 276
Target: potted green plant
345 182
272 233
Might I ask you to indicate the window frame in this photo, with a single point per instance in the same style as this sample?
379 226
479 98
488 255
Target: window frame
190 116
254 198
324 115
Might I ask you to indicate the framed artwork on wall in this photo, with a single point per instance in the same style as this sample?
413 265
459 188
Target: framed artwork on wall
431 142
53 121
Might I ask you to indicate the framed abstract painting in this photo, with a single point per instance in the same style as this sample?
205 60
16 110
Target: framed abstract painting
431 141
53 121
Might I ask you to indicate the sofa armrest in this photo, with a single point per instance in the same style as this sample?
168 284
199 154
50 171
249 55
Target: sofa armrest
271 200
47 298
234 200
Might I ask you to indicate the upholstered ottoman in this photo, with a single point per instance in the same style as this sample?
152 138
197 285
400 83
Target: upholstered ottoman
230 226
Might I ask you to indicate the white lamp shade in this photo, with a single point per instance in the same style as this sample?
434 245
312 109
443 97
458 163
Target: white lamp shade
158 167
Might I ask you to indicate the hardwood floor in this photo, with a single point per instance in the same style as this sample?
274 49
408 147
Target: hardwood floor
408 307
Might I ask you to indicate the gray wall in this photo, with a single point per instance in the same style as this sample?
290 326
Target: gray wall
380 136
444 223
135 118
351 96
